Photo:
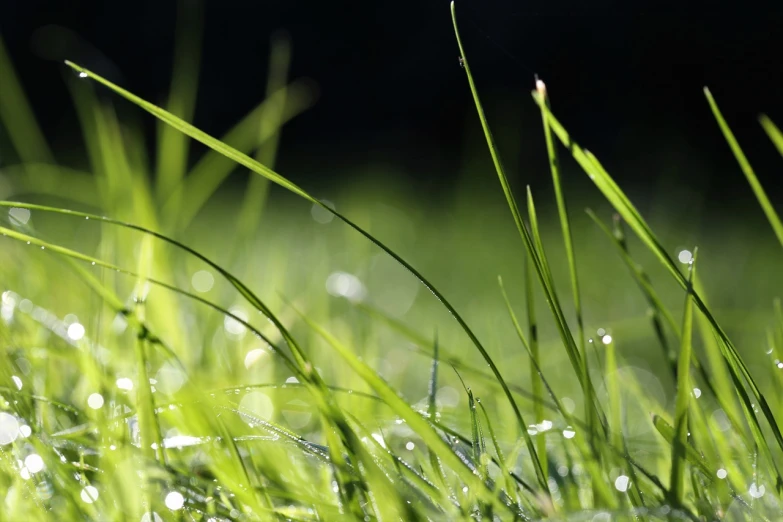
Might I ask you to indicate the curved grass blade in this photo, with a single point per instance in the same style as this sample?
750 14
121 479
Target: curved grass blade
17 116
737 367
214 167
542 269
254 166
758 190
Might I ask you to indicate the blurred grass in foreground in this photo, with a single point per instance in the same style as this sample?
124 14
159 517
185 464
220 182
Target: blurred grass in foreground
214 355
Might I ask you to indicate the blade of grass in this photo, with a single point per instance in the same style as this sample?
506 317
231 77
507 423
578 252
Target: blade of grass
535 379
742 160
562 210
172 145
541 269
684 392
773 132
271 118
591 463
254 166
17 116
213 167
737 367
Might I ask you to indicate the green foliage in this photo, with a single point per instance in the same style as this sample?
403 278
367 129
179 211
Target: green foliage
217 383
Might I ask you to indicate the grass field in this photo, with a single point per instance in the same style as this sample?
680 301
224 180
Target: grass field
174 350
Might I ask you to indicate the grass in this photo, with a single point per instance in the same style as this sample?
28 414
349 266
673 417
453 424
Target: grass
160 363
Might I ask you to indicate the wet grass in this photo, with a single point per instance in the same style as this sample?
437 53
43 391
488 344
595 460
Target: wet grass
171 353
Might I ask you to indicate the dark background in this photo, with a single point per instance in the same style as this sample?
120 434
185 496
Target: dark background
626 78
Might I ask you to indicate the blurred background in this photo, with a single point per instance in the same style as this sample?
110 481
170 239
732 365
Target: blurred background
379 121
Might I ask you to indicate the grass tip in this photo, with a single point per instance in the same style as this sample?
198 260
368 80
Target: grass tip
540 86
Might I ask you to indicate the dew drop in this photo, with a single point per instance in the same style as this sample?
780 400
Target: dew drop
89 494
621 483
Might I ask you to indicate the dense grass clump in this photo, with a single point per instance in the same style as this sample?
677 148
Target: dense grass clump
143 380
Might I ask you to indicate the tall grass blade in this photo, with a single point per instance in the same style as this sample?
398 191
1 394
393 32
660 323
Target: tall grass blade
750 175
17 117
583 444
172 154
773 132
542 269
565 226
684 392
739 371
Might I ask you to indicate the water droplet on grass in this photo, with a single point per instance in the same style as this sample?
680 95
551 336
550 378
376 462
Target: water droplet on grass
19 216
9 428
320 214
202 281
95 401
75 331
89 494
756 490
621 483
685 256
259 404
175 500
34 463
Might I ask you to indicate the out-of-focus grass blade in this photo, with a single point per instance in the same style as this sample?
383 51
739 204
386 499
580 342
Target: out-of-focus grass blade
689 452
659 309
17 116
253 165
684 392
52 180
744 164
172 153
214 167
773 132
272 118
149 427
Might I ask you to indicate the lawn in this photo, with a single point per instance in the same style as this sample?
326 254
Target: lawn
178 349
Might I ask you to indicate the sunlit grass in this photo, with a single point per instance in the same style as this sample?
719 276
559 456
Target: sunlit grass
171 352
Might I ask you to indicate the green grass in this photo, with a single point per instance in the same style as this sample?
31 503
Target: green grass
170 351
